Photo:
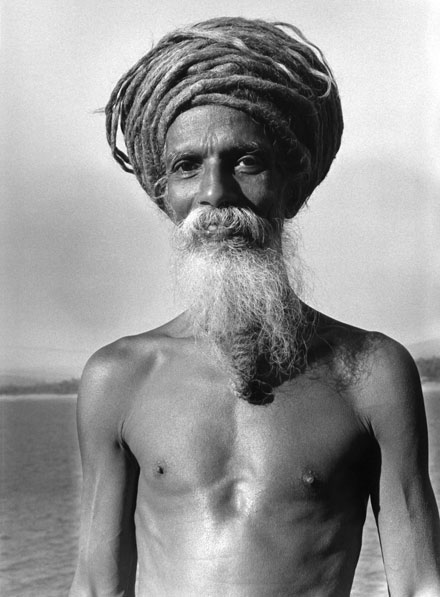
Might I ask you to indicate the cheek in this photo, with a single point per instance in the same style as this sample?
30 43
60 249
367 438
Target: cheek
264 194
179 198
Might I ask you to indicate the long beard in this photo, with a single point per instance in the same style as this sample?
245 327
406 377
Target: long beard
234 280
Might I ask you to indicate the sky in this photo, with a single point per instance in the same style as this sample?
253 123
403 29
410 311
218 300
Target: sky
85 255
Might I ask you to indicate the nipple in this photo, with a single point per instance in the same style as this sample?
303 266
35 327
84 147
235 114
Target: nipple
159 470
308 478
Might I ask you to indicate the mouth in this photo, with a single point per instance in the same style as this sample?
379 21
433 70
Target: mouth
225 235
228 226
218 232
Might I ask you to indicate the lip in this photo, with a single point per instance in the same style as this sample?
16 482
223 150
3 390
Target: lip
217 232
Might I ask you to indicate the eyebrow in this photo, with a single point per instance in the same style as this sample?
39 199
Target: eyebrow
170 157
239 147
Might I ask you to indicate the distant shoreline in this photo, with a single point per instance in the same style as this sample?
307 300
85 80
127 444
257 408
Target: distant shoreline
60 388
36 397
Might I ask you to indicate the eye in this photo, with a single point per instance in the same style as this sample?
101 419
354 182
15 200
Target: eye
250 164
185 167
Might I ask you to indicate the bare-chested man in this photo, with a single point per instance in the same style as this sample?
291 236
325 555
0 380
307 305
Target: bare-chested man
232 451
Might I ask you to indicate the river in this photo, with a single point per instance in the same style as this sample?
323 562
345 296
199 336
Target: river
40 487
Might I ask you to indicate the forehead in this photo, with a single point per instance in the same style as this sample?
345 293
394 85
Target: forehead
214 126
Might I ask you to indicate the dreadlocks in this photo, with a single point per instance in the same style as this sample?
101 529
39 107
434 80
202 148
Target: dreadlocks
280 79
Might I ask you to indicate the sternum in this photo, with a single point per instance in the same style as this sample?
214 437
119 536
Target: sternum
234 497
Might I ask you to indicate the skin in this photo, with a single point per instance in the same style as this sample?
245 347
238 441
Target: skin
214 496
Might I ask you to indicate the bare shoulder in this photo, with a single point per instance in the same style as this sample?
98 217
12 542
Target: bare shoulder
116 360
374 367
104 396
390 393
113 375
389 364
122 361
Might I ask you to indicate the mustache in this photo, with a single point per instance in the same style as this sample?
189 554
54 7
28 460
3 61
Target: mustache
230 223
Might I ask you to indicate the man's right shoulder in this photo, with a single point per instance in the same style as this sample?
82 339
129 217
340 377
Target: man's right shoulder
120 358
113 373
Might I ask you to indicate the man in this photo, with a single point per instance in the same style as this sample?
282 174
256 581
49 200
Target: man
233 450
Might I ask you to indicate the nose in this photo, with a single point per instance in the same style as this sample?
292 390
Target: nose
218 187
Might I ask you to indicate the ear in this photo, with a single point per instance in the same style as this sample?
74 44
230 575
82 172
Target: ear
292 197
290 210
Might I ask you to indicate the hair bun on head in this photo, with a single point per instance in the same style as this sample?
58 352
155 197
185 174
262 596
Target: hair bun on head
268 70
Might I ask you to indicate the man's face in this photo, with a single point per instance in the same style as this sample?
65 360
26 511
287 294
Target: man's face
219 157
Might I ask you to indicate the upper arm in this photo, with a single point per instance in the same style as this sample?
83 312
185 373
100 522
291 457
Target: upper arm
402 498
107 558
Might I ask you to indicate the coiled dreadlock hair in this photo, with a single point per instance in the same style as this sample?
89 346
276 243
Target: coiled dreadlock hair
280 79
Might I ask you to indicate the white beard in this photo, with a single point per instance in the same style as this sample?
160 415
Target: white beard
234 280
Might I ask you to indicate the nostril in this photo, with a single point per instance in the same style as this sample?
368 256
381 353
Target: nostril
217 187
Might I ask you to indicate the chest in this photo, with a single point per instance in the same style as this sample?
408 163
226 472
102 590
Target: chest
190 435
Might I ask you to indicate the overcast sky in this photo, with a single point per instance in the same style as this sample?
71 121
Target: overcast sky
84 254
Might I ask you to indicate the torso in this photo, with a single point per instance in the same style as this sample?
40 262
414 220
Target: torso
236 499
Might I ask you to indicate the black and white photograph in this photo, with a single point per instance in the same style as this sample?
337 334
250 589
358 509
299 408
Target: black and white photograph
220 298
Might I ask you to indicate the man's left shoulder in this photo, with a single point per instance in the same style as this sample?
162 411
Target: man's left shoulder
373 366
388 374
390 361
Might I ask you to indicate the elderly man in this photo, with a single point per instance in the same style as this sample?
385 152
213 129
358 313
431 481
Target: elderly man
233 450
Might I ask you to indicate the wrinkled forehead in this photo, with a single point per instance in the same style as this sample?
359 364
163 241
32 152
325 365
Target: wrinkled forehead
218 129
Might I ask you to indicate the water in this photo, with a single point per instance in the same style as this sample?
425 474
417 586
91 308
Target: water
40 498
